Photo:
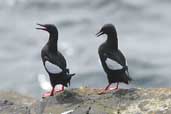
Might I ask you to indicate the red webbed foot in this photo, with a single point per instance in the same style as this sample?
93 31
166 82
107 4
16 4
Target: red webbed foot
109 89
53 92
47 94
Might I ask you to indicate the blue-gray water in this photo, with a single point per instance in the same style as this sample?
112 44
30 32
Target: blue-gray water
143 26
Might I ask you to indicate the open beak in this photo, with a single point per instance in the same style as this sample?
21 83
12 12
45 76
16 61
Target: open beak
43 27
99 33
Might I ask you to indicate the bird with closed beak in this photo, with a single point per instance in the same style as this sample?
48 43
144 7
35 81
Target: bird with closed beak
53 61
113 61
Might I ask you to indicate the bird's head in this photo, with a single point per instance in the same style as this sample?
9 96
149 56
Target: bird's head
49 28
107 29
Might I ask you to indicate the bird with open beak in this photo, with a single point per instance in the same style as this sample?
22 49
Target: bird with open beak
53 61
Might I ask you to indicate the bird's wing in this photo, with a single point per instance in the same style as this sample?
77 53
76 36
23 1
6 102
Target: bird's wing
115 60
62 61
52 68
118 57
112 64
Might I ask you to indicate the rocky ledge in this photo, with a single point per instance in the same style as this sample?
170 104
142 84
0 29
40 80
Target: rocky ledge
87 101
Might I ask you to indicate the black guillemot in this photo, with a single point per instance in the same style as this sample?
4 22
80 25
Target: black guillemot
113 61
53 61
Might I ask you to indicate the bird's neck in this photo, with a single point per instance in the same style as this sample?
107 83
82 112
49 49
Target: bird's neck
53 42
112 41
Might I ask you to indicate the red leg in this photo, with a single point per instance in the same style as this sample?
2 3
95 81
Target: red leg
62 88
108 89
115 88
53 91
104 90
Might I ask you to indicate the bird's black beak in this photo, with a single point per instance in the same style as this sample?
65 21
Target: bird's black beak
43 27
99 33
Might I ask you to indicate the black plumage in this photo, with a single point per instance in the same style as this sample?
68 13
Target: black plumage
113 61
53 61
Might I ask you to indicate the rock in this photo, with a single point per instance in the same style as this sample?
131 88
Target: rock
14 103
131 101
87 101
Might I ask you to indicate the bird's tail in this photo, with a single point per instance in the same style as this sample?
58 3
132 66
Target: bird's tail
44 83
127 77
71 74
68 73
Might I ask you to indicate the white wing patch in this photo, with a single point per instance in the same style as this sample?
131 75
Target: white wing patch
52 68
113 65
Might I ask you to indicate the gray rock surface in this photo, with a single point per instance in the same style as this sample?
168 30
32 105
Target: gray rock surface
14 103
87 101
